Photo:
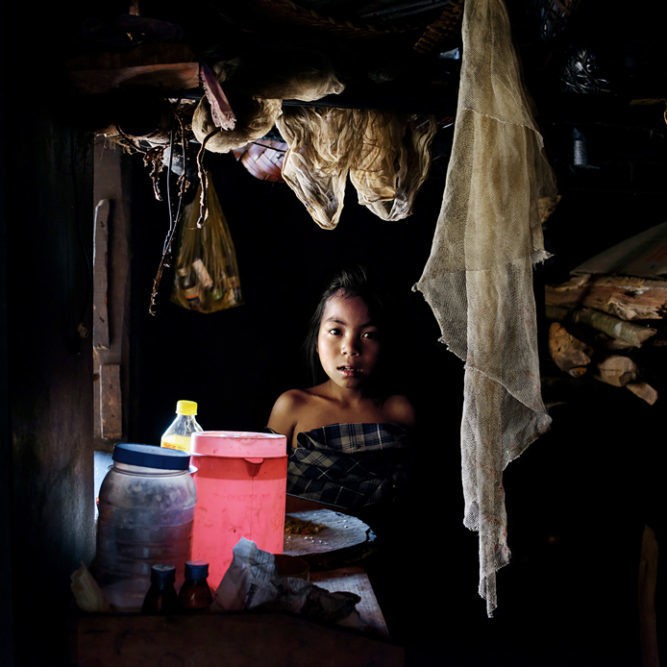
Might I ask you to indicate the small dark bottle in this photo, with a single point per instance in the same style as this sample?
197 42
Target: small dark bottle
195 593
161 597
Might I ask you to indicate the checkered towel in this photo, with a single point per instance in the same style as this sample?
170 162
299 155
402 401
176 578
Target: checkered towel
349 465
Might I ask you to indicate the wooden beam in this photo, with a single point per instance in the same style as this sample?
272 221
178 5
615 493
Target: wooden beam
167 68
101 275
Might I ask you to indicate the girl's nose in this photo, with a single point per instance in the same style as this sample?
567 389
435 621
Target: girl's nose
350 347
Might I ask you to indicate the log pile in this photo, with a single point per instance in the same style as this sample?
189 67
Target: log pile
601 324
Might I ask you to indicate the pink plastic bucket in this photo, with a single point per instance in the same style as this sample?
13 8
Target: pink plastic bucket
241 482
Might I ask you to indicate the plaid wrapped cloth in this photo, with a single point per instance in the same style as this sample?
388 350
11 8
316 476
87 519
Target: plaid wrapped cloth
351 466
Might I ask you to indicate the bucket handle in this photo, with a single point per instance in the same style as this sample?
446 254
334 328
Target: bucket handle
253 464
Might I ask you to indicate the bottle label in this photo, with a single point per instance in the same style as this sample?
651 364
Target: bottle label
176 441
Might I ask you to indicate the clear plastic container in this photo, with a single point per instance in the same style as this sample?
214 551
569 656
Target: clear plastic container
179 433
146 512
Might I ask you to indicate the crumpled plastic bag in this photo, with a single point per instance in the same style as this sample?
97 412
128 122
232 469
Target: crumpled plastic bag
87 593
252 581
207 278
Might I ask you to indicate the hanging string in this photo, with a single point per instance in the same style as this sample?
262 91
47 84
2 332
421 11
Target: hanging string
165 259
203 179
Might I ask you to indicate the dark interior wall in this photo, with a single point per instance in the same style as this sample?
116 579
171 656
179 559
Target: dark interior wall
236 362
49 238
46 238
6 566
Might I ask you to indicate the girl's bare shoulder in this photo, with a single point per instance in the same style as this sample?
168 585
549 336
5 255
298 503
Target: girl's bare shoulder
292 401
295 396
286 410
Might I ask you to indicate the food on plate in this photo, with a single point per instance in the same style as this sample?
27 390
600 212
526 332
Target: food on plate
296 526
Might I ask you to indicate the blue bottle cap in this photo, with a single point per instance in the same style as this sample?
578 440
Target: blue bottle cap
151 456
196 569
163 573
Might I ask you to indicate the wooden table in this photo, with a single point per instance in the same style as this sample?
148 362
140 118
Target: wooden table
241 639
370 618
244 639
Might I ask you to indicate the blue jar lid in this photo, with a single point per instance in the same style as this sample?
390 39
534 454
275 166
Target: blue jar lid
151 456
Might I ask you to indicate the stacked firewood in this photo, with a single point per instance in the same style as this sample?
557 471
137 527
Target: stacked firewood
602 325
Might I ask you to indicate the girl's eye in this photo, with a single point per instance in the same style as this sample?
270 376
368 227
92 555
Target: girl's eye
372 335
334 332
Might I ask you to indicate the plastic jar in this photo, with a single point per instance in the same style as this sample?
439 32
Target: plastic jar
146 511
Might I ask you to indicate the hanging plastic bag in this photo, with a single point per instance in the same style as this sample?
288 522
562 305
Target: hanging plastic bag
206 278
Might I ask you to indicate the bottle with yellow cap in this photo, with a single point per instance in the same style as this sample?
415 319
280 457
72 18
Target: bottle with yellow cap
179 432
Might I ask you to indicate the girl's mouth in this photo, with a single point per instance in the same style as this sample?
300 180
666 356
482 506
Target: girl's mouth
350 371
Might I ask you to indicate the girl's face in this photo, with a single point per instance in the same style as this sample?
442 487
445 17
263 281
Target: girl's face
348 343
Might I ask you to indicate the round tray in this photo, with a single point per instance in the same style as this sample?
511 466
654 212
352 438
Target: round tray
330 539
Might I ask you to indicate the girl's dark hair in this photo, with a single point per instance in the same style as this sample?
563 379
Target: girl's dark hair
350 281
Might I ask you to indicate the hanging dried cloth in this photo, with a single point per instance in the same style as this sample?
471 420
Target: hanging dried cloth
478 278
391 162
386 155
255 117
207 276
317 161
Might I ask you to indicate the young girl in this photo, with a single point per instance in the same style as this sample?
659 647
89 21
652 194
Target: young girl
347 435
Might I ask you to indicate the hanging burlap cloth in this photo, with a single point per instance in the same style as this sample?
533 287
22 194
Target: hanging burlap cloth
478 278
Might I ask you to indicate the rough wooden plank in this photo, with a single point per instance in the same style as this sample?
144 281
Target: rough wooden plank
634 335
625 297
617 370
355 580
628 333
100 274
644 254
569 353
166 77
149 53
111 406
164 67
644 391
648 579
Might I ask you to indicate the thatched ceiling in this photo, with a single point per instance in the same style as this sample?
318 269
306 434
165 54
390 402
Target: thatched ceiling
568 47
